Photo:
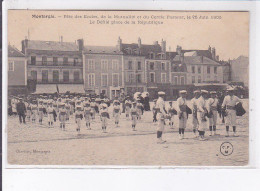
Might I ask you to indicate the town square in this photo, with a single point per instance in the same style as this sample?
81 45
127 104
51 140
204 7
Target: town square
135 96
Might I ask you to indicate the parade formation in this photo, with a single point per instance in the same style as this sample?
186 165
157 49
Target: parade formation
204 109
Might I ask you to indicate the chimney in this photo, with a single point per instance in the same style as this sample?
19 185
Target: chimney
24 45
178 49
61 39
81 44
139 42
209 49
163 45
155 43
119 44
213 53
182 58
217 58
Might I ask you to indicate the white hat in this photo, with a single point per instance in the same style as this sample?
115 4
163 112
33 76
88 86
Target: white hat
183 92
196 91
230 89
161 93
204 91
213 92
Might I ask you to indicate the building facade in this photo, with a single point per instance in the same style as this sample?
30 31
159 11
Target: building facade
17 71
102 70
129 68
240 70
54 62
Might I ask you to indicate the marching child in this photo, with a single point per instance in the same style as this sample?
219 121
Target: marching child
93 108
183 116
50 114
134 115
171 112
104 115
67 107
139 107
55 107
116 112
127 107
78 117
194 107
87 114
202 113
45 107
40 111
213 113
154 109
34 110
72 107
28 110
230 101
62 116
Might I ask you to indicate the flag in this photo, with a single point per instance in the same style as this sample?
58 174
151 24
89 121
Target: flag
57 88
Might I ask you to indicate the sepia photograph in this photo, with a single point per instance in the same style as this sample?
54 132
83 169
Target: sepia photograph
127 88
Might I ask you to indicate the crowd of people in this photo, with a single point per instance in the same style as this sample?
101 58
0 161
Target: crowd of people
205 108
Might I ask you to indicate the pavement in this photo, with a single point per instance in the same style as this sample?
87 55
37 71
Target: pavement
34 144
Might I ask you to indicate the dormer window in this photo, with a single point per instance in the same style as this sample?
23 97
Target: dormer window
33 60
152 55
129 50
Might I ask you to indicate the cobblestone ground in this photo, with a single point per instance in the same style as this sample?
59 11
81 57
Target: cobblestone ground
34 144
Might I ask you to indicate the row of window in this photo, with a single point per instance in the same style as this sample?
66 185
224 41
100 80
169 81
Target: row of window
174 80
131 65
56 76
208 69
104 65
193 78
131 78
115 65
151 65
54 60
104 80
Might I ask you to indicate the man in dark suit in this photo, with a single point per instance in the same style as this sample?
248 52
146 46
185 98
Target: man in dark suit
21 110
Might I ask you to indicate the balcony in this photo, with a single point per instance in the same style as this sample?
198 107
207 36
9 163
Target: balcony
61 81
55 64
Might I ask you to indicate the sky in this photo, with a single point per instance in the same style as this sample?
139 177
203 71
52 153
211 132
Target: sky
229 34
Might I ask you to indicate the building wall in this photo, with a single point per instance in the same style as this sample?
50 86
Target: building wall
205 77
226 73
49 65
240 70
50 71
162 74
98 71
131 84
17 76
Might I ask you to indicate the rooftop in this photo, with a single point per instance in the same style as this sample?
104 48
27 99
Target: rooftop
14 52
205 53
52 45
145 49
102 49
196 60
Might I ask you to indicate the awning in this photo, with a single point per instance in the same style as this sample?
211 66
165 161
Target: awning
63 88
